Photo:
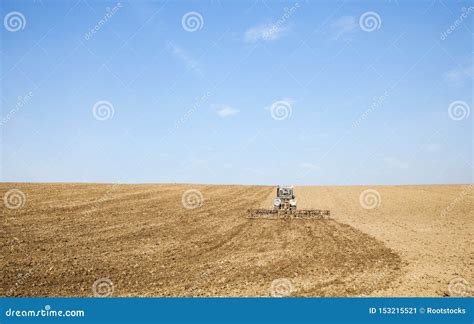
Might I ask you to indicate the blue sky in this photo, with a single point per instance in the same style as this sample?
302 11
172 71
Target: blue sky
246 92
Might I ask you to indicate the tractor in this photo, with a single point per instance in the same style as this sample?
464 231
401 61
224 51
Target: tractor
284 206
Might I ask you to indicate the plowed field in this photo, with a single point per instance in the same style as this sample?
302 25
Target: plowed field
164 240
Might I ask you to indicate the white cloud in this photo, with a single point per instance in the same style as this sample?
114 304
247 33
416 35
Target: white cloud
227 111
266 32
459 74
343 25
181 55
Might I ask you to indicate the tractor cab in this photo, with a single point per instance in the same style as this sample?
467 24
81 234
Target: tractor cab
285 199
285 192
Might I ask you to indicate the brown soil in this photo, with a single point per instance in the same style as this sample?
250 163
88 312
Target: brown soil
67 236
430 227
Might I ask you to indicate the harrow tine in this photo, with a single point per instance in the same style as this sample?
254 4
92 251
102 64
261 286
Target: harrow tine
283 214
